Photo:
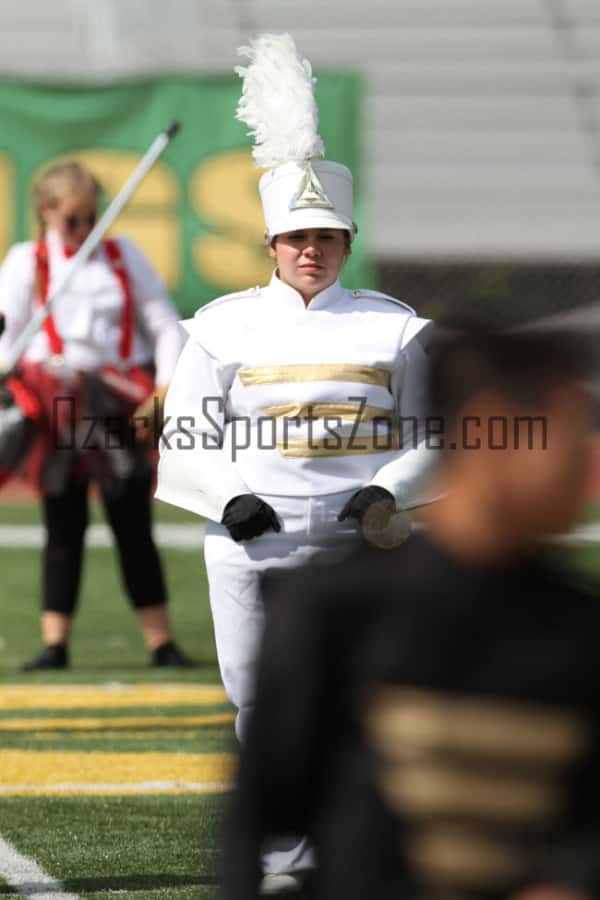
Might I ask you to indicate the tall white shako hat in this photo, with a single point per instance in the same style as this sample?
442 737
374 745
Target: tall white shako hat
300 188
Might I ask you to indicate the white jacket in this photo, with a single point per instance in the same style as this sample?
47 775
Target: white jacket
258 363
88 315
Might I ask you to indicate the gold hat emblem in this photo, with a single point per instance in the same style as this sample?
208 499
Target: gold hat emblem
310 192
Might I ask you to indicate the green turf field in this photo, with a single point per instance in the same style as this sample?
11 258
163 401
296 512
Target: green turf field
143 848
142 845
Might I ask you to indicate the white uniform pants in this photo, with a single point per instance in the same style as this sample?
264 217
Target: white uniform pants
309 526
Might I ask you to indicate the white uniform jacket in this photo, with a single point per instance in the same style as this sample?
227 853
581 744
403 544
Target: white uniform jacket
88 315
277 398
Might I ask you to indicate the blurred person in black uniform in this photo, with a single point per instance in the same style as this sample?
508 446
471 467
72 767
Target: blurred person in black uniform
429 715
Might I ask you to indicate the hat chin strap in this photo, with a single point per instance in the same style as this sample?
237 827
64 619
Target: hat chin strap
311 193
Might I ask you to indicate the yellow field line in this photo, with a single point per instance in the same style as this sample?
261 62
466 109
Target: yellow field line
147 734
108 696
85 724
35 772
118 790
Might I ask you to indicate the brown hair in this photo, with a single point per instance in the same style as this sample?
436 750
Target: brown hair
524 367
61 179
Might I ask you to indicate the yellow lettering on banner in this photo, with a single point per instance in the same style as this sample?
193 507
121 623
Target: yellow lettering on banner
151 218
224 193
7 177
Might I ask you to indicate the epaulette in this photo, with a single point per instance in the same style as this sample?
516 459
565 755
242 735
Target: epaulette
367 292
237 295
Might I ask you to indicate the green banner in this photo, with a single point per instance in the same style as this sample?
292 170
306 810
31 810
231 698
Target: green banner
197 215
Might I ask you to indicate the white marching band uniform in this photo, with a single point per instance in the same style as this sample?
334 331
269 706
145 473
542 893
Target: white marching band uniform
253 363
259 363
297 404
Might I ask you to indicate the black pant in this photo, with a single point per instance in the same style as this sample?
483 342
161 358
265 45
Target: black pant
128 511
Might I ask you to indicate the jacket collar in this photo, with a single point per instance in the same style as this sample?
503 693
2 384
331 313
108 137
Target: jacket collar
284 293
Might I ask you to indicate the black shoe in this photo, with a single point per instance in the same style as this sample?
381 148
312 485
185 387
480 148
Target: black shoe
54 656
169 654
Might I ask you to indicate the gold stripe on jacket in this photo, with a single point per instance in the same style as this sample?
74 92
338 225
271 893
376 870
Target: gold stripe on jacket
261 375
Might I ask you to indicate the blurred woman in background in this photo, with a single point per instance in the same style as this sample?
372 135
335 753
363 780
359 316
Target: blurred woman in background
107 350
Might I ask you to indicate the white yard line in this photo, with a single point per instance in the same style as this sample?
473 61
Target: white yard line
585 534
182 537
27 878
191 537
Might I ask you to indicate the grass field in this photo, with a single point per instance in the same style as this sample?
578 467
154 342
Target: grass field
112 773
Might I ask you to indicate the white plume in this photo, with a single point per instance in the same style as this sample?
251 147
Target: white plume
278 102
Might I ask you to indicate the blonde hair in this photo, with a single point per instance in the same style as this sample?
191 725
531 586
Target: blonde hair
58 180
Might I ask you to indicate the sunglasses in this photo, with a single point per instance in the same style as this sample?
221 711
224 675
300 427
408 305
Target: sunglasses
73 222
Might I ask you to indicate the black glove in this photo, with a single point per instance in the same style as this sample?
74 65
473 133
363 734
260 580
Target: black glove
247 516
360 502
